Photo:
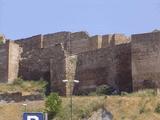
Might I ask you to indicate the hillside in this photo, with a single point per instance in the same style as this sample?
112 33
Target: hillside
137 106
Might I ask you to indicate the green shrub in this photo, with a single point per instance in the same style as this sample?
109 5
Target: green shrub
157 109
104 90
1 42
92 94
124 93
18 81
142 110
82 92
53 105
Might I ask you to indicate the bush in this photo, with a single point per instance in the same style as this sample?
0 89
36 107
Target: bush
1 42
82 93
157 109
124 93
52 105
104 90
18 81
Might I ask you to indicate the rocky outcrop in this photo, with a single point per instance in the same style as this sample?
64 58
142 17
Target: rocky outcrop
101 114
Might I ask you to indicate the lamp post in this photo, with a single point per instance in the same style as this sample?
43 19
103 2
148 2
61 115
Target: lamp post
70 90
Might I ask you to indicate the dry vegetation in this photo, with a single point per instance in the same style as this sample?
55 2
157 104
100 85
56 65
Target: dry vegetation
14 111
26 87
137 106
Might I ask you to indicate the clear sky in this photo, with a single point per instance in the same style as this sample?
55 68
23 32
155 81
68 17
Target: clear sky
24 18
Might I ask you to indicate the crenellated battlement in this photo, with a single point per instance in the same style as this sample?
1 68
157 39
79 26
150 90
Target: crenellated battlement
73 42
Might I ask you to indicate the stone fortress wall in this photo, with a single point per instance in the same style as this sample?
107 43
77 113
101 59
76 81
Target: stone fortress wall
124 63
146 60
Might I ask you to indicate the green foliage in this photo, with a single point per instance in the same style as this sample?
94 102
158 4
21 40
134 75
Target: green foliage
31 85
124 93
82 92
53 105
92 94
157 109
104 90
142 110
28 86
18 81
1 42
100 90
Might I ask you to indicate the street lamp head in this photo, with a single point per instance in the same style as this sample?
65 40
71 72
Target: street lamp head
24 104
76 81
64 80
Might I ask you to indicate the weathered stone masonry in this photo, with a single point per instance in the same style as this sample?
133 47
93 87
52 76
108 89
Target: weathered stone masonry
123 63
9 61
146 60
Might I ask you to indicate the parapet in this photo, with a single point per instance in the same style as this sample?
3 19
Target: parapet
146 36
95 42
79 35
50 40
106 40
114 39
30 43
74 43
120 39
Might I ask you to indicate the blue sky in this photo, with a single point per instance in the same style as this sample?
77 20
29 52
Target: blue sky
24 18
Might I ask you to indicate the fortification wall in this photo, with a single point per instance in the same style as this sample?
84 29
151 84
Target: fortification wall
93 68
9 61
57 71
3 63
70 71
114 39
35 64
13 60
74 43
62 69
79 42
105 66
123 67
30 43
120 39
146 60
50 40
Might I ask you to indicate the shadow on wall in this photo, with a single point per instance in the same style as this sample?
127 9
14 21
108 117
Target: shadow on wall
46 77
149 84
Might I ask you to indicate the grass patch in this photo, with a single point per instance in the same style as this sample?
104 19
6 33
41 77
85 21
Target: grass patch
141 93
121 107
26 87
142 105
